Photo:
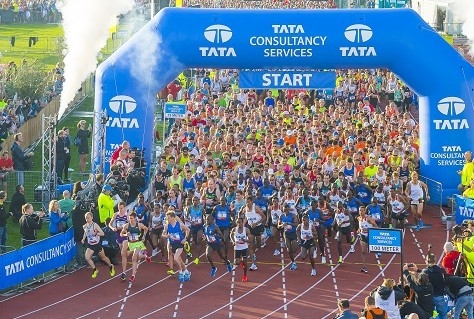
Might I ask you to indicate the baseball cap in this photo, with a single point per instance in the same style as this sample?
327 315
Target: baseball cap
199 170
107 187
270 171
381 160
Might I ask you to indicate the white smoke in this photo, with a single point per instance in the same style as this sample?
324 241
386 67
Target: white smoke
464 12
86 26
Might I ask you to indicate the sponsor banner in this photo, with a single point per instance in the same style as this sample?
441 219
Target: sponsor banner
287 79
33 260
385 240
175 110
464 208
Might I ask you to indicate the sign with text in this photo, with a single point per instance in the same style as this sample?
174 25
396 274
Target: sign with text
175 110
385 240
286 79
464 208
35 259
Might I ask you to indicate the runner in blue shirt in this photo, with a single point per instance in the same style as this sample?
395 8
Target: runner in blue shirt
223 217
289 222
316 220
214 238
177 232
193 214
267 190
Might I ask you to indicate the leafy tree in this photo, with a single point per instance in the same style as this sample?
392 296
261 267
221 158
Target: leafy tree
28 79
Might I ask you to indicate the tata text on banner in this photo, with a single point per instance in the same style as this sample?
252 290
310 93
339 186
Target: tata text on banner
287 79
175 111
385 240
464 208
35 259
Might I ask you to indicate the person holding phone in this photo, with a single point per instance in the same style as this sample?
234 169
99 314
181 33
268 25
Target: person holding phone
82 143
30 223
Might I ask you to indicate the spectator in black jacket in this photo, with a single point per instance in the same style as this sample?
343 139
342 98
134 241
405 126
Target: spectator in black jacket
60 156
408 307
420 284
67 148
460 289
30 223
436 276
17 201
109 242
3 223
78 213
19 157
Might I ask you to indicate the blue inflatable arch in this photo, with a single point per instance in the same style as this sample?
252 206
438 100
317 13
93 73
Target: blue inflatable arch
180 38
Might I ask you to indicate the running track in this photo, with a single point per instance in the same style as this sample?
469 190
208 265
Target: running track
273 291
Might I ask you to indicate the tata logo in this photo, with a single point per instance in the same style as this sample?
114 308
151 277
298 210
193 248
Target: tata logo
217 34
122 106
14 268
452 107
358 34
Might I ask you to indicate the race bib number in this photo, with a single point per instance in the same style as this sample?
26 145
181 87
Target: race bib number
133 237
120 224
415 201
105 242
221 215
174 237
211 238
196 220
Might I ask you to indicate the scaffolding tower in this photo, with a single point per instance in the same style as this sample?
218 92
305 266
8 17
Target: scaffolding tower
99 159
48 176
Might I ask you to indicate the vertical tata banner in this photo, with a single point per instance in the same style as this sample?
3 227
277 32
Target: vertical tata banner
33 260
286 79
464 208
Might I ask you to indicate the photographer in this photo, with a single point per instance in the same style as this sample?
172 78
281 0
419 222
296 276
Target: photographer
420 284
465 243
56 218
106 204
30 223
436 278
459 289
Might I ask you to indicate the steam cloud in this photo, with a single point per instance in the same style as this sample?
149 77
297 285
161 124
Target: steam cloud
465 10
86 29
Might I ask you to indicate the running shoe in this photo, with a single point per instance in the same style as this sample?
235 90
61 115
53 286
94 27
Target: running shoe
95 273
187 275
112 271
340 260
313 272
154 252
253 267
364 270
379 255
196 261
417 228
323 259
293 266
181 277
189 255
244 278
170 272
148 259
276 252
123 277
213 271
132 278
420 223
353 238
229 267
352 249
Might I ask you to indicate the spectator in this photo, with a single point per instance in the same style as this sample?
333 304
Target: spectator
78 212
60 156
20 159
451 258
436 278
466 172
469 191
423 290
4 215
56 218
387 297
30 223
460 289
371 311
67 158
116 154
6 166
66 205
17 201
343 306
105 204
82 143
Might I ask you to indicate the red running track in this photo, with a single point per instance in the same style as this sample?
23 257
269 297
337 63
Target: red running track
273 291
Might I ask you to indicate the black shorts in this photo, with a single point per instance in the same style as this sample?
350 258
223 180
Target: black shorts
345 230
257 230
214 246
400 216
241 253
290 236
307 244
97 248
175 247
196 229
157 231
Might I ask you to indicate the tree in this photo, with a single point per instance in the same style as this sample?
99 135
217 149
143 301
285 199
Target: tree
27 80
